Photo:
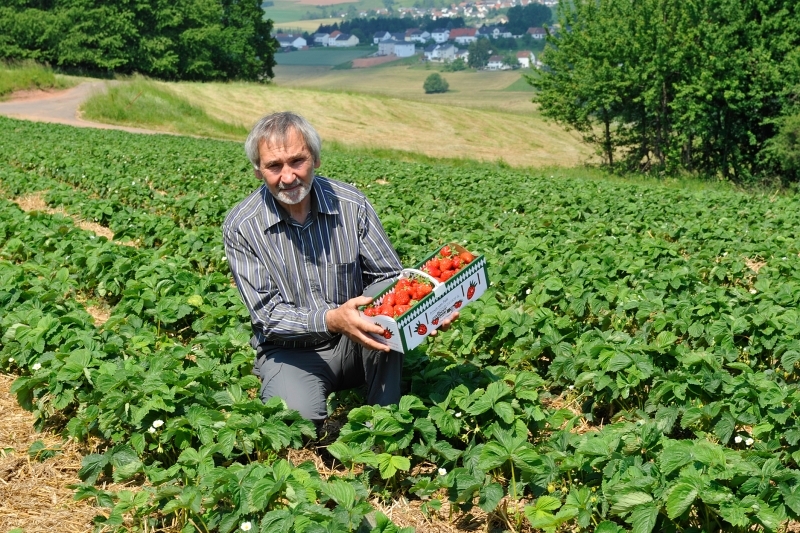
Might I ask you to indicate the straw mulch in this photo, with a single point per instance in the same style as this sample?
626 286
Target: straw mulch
34 495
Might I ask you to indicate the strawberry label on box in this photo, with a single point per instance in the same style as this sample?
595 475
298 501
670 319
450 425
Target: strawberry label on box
431 299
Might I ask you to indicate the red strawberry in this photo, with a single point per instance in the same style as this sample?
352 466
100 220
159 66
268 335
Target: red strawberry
390 299
402 297
447 274
445 264
458 304
446 252
386 310
421 329
466 257
471 290
371 311
435 272
400 309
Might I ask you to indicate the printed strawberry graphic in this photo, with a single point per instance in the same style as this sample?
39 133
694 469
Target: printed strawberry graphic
387 334
435 321
458 304
471 290
421 329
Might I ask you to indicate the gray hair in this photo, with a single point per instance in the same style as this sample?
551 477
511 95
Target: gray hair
275 128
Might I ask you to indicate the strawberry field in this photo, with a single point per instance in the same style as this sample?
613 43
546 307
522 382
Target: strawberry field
633 365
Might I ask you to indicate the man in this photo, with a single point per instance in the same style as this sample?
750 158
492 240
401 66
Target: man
302 249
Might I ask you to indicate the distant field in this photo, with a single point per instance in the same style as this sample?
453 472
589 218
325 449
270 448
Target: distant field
495 91
299 26
433 127
326 57
293 10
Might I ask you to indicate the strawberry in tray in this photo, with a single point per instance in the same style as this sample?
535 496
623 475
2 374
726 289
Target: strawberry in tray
446 263
404 295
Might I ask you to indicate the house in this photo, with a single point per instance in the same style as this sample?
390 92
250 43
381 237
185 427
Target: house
440 52
379 36
399 36
495 31
463 35
287 40
526 58
537 33
440 35
419 36
463 54
398 48
321 39
404 49
496 63
344 40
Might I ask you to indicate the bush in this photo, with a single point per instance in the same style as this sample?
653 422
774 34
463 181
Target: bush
435 84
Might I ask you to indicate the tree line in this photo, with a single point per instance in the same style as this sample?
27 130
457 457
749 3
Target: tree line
169 39
710 87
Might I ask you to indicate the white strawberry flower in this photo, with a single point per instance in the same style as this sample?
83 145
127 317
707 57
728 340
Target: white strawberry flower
458 414
10 359
158 423
753 291
151 429
749 441
36 366
737 439
442 471
246 526
528 291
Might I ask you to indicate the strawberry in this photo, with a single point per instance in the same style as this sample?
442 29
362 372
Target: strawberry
371 311
447 274
445 264
386 310
446 252
466 257
435 272
471 290
402 297
400 309
421 329
390 299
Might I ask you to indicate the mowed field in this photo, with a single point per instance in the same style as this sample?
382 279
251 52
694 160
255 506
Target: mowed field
385 107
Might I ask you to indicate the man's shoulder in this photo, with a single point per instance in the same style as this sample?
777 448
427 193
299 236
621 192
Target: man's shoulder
340 190
245 210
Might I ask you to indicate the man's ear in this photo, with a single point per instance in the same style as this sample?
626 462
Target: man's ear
316 165
258 174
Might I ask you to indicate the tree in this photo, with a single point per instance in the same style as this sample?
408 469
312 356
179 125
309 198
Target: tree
479 53
674 85
180 39
435 83
533 15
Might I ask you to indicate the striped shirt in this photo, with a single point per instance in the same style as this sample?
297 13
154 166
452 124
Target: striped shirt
290 274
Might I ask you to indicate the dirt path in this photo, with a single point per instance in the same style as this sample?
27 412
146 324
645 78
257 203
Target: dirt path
59 106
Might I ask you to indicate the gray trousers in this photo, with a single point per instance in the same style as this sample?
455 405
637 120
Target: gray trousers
304 377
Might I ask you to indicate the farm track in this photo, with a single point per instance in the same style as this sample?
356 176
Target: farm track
61 107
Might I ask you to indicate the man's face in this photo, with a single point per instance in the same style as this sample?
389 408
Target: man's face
288 170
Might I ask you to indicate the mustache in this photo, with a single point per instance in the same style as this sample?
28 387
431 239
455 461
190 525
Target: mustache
283 187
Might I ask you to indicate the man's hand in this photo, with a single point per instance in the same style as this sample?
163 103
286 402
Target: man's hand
348 321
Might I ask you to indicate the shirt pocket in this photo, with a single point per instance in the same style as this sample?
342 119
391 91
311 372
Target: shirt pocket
342 282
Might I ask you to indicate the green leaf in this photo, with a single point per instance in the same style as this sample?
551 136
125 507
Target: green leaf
342 492
490 496
643 518
626 500
680 499
91 467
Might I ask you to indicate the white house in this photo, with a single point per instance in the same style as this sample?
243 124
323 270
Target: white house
537 33
440 35
419 36
287 40
404 49
463 35
381 36
496 63
321 39
440 52
525 59
344 40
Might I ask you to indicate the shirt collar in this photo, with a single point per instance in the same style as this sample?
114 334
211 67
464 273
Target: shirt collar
320 202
